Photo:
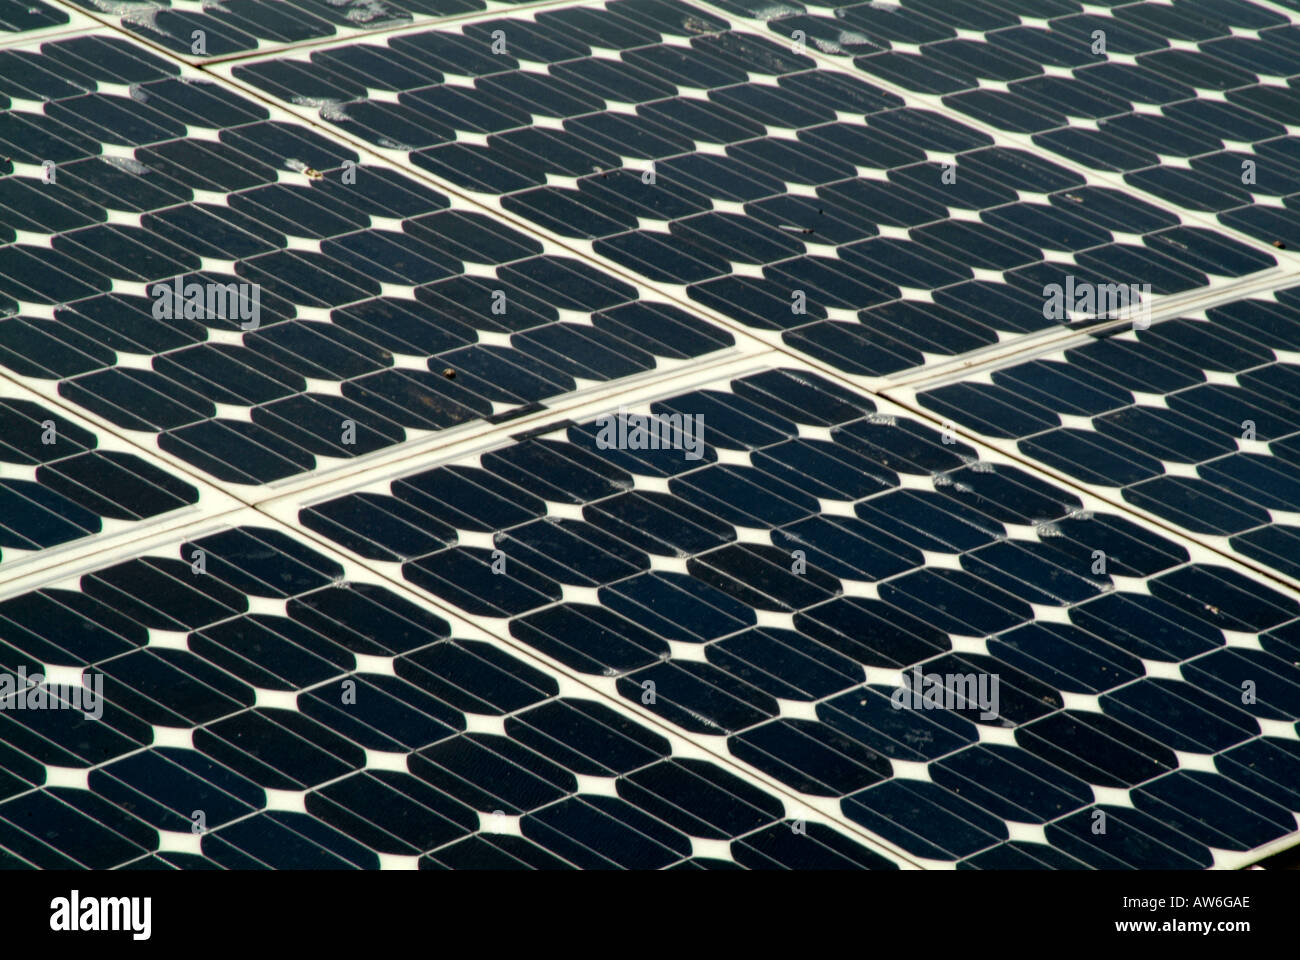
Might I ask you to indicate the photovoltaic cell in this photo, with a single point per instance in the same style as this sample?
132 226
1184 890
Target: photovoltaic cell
20 16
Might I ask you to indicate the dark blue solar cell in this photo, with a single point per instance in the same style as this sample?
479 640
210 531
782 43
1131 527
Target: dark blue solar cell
64 736
1092 457
872 632
902 446
746 496
762 577
677 607
472 499
572 552
852 348
613 80
83 842
1225 598
1131 840
475 677
868 715
699 799
590 638
1166 434
1096 748
587 737
891 263
173 688
1017 699
1003 781
825 469
925 819
487 852
381 713
1197 505
659 523
1225 673
1020 855
847 547
654 256
391 812
564 472
368 620
1031 573
784 663
1217 813
279 749
886 203
1065 657
64 626
491 772
956 601
466 576
596 832
810 757
764 303
116 485
1008 494
263 562
1260 479
1146 626
992 410
1265 766
698 697
279 840
816 847
565 212
164 594
163 787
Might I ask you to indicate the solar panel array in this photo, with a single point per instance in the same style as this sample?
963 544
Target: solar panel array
637 434
677 580
767 176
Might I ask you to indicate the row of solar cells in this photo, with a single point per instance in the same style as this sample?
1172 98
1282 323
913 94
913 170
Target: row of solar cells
235 26
383 254
19 16
1197 421
1196 80
441 803
61 488
895 574
784 207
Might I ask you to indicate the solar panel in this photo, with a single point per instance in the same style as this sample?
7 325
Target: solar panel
356 295
237 26
1191 420
825 548
649 434
227 695
65 486
873 227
